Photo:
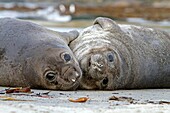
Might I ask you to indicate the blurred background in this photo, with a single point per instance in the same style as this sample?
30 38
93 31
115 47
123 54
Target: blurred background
66 15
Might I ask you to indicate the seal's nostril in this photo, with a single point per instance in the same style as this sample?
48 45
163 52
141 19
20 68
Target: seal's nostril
89 64
100 65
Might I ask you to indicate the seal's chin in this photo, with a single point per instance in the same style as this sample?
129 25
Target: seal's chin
93 84
72 86
61 84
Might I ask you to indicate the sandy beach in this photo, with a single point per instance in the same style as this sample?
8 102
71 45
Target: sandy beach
120 101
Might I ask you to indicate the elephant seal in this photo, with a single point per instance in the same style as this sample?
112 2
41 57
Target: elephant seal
31 55
116 56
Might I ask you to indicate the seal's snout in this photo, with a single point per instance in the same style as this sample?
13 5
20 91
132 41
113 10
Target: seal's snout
69 74
97 62
74 77
97 66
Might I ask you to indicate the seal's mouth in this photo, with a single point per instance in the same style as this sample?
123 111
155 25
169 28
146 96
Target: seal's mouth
69 78
69 74
65 80
65 85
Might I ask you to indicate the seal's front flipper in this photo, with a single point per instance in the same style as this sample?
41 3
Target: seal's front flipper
107 24
73 35
69 36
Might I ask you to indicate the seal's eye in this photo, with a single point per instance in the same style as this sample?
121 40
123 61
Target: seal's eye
105 82
110 57
50 76
67 57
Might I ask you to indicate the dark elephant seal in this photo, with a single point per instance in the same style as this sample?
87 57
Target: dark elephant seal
31 55
116 56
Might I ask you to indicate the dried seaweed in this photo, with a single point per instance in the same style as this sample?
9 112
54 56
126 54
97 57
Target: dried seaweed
18 90
128 99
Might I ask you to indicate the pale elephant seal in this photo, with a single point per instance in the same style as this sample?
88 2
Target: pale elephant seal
31 55
116 56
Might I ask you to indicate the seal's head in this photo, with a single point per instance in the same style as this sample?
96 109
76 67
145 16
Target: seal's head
51 64
98 68
59 69
97 54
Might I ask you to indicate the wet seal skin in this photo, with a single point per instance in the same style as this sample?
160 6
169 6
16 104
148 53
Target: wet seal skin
31 55
116 56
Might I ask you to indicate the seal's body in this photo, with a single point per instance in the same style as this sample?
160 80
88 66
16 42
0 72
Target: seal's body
31 55
116 56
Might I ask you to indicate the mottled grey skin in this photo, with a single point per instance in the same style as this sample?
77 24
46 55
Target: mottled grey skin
31 55
116 56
